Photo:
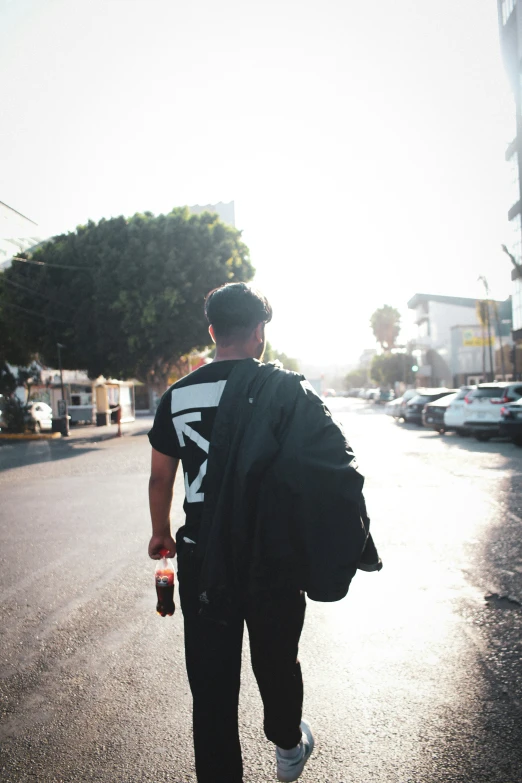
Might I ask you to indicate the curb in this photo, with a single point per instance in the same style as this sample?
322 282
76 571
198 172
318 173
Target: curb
30 436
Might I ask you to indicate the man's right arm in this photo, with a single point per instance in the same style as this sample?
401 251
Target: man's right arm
161 485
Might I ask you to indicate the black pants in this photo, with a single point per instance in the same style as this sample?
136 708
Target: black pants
213 657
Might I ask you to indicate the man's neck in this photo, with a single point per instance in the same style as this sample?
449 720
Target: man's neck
231 352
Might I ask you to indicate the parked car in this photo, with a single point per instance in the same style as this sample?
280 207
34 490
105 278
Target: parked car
455 413
433 412
384 395
408 395
329 393
511 421
413 409
371 394
392 408
483 404
39 416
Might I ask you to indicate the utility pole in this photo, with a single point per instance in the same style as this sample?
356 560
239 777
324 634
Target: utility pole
499 332
59 346
488 320
62 407
516 274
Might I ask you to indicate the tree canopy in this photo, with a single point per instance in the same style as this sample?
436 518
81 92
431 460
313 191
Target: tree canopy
389 368
356 378
289 363
123 296
386 325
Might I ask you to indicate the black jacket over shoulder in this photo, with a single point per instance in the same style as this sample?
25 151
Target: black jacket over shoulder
283 496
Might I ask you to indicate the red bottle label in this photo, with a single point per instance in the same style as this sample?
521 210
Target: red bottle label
164 578
165 592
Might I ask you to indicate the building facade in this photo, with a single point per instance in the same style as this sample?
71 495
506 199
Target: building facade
510 26
450 338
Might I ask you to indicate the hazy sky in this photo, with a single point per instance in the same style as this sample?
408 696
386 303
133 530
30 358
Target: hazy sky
362 140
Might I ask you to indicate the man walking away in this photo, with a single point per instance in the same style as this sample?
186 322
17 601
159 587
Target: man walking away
274 508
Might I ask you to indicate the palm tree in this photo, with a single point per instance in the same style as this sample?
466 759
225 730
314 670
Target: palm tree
386 325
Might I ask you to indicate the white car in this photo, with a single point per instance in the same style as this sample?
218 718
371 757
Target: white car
455 413
40 416
483 404
408 395
392 408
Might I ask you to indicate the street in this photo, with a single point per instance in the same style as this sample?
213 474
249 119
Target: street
415 677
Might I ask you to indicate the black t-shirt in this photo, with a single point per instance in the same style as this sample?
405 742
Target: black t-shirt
183 426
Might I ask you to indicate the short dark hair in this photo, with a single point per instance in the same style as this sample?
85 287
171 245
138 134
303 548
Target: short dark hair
234 310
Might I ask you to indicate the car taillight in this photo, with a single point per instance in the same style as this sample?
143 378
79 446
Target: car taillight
504 412
505 398
468 399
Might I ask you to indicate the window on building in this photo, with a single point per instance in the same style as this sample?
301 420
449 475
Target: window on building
507 9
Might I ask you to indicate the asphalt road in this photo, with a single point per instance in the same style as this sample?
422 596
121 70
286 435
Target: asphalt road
415 677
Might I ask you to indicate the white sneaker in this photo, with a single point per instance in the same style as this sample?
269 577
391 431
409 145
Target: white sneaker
289 770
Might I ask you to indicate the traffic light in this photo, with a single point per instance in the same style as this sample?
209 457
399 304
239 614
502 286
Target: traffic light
415 368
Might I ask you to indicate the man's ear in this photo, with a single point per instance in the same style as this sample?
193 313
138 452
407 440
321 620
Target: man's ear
260 332
211 332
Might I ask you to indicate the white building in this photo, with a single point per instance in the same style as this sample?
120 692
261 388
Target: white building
510 28
436 318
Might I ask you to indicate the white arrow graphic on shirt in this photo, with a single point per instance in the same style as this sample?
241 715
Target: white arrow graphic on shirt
192 493
183 430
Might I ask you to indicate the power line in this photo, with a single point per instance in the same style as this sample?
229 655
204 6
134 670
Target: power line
17 213
34 312
52 266
36 293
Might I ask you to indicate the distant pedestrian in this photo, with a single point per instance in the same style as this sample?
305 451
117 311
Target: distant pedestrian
274 509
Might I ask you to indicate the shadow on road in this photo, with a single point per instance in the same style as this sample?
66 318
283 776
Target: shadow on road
467 443
17 455
472 444
497 562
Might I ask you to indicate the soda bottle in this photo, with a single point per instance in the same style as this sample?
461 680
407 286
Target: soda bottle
164 578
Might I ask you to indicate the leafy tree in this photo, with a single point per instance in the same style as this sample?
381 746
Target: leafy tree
271 354
356 378
386 325
124 296
14 410
389 368
14 342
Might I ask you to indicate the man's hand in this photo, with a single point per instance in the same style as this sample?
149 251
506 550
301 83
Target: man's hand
157 543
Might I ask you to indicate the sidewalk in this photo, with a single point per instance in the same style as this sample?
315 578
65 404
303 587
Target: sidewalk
86 433
89 433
